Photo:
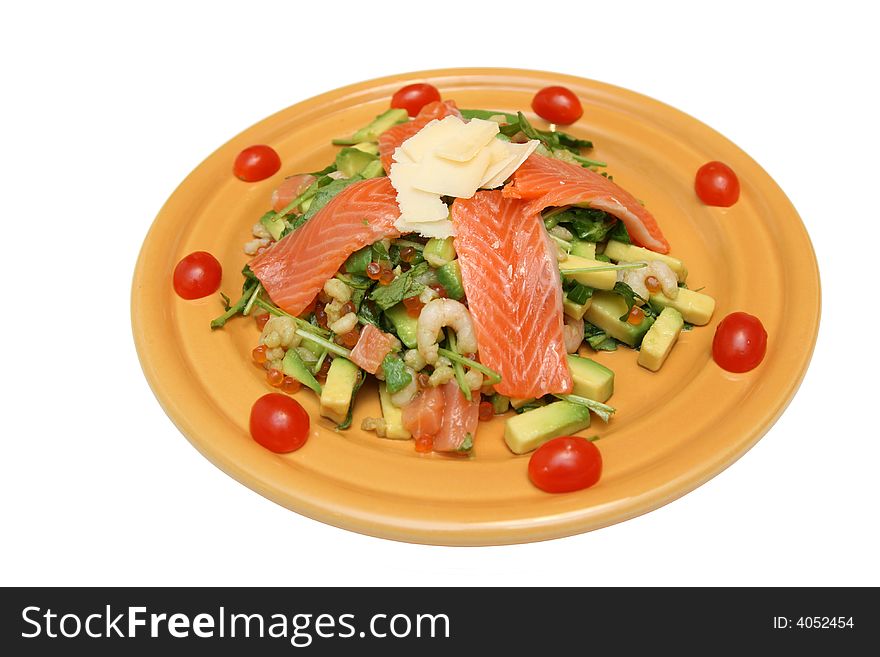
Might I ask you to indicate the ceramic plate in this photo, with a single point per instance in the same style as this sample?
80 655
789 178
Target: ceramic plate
673 430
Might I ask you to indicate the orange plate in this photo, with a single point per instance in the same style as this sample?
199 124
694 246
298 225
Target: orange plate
673 430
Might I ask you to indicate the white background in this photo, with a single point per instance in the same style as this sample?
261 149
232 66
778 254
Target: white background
108 106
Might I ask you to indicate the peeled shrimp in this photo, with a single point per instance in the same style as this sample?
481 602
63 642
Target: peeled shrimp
635 278
445 312
572 334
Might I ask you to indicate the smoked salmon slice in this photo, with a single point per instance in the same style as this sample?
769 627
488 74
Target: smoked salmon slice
396 135
511 279
296 268
549 182
460 418
371 348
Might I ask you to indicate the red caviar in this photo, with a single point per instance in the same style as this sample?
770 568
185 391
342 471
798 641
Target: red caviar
413 306
261 320
440 290
275 377
487 411
424 444
290 385
373 270
653 284
259 354
407 254
636 315
349 339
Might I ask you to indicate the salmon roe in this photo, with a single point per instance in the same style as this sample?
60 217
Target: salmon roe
347 307
275 377
413 306
261 320
653 284
407 254
386 277
487 411
259 354
424 444
349 339
321 316
440 290
423 381
373 270
636 315
290 385
325 367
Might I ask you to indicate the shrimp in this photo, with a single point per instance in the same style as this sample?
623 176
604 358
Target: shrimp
445 312
572 334
635 278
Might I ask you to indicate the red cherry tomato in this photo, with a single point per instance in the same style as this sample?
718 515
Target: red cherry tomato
565 464
197 275
279 423
557 105
740 342
256 163
717 184
413 97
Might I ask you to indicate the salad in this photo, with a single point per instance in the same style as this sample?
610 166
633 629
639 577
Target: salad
472 264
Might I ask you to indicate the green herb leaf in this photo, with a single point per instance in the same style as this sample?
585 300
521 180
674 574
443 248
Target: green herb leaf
400 288
618 233
467 444
487 114
458 369
578 293
588 224
323 196
396 376
604 411
598 339
629 296
369 313
238 307
552 140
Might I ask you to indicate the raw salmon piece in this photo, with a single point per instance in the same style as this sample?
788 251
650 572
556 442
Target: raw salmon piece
396 135
423 416
460 418
548 182
289 189
514 292
371 348
296 268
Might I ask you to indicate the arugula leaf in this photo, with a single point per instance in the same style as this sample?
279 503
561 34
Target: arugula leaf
249 278
467 444
588 224
578 293
396 376
400 288
554 141
250 289
368 313
355 281
323 172
324 195
629 296
346 423
598 339
618 233
486 115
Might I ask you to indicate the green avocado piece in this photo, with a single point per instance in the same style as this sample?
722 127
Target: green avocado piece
274 223
591 380
583 249
342 377
405 326
380 124
620 252
373 170
293 365
393 416
660 339
528 431
351 161
605 312
695 307
449 276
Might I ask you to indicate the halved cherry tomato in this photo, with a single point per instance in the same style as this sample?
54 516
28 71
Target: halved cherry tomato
557 105
279 423
565 464
256 163
413 97
197 275
740 342
717 184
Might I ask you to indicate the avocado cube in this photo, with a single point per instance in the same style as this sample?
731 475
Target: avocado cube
583 249
695 307
620 252
660 339
605 312
338 389
591 380
600 280
405 326
380 124
351 161
575 310
394 428
438 251
528 431
449 276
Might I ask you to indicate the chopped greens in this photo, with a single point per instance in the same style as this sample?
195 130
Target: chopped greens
588 224
553 140
467 444
598 339
458 369
578 292
629 296
618 233
396 376
400 288
323 196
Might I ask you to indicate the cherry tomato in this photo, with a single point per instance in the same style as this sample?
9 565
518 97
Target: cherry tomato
557 105
565 464
413 97
717 184
279 423
197 275
256 163
740 342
